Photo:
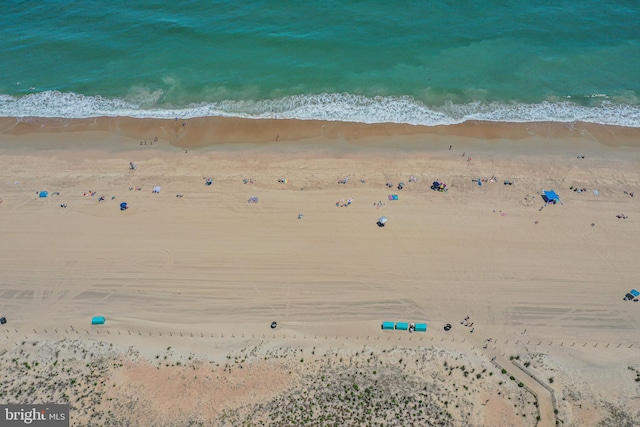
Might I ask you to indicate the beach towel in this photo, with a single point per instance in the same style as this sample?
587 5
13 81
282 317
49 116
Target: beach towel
393 197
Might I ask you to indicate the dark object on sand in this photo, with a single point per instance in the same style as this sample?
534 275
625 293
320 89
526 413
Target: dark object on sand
124 206
401 185
3 320
447 327
274 325
439 186
631 295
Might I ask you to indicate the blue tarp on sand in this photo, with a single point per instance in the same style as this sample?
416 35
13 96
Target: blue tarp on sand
43 194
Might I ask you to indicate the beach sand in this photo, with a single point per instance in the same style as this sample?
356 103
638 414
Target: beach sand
189 285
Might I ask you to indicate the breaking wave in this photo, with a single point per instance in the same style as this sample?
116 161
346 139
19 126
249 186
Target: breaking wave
330 106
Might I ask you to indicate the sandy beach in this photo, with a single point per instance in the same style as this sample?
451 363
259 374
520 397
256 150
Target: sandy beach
190 278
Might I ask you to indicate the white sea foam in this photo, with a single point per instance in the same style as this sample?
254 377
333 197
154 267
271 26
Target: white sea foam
331 107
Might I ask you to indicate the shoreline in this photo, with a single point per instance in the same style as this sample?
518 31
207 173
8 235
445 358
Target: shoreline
199 133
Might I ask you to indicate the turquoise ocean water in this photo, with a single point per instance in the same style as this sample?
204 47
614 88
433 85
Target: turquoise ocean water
418 62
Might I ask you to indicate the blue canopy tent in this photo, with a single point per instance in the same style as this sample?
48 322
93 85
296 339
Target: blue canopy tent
124 206
402 326
550 196
387 326
421 327
98 320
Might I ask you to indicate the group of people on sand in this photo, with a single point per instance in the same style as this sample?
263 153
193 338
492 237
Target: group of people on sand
466 322
343 204
144 142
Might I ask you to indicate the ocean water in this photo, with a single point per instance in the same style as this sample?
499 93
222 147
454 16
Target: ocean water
370 61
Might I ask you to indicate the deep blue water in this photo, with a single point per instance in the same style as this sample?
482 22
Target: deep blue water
419 62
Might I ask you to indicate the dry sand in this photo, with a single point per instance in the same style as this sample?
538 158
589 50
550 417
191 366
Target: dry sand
198 279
